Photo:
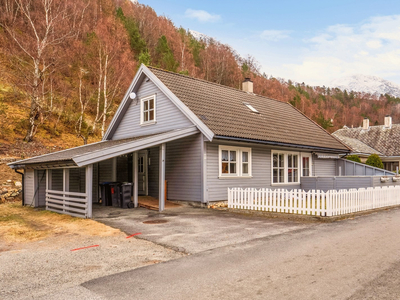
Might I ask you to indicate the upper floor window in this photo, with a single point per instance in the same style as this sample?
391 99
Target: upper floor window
234 161
148 110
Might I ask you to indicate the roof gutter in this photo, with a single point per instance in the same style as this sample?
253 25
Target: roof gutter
281 144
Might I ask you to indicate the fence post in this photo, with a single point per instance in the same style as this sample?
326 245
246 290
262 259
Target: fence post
328 200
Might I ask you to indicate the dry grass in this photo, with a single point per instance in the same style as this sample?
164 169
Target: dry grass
24 224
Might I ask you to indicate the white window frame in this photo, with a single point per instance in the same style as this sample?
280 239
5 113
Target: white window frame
309 155
239 163
150 122
285 172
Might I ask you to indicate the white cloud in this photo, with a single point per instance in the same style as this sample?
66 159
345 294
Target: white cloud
202 15
370 48
274 35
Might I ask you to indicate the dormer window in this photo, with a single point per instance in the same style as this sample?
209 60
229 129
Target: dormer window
249 106
148 110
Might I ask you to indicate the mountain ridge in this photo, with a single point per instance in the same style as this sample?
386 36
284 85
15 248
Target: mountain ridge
373 85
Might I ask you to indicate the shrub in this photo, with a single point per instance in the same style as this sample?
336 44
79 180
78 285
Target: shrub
353 158
375 161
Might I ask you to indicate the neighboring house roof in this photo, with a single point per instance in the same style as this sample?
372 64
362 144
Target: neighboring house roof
223 111
87 154
384 141
357 146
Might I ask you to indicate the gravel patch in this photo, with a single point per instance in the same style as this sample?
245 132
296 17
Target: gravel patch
42 268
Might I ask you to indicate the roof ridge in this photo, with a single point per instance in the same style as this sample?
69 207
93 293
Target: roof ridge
214 83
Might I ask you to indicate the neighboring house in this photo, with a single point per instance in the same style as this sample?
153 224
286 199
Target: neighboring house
199 136
383 140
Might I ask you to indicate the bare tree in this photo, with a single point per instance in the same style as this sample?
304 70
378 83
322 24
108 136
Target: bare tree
37 28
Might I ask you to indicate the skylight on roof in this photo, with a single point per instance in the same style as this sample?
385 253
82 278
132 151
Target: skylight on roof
249 106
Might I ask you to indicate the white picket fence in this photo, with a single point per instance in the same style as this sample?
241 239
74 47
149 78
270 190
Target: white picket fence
69 203
313 202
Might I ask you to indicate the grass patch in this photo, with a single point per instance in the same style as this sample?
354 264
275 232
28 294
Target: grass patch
25 224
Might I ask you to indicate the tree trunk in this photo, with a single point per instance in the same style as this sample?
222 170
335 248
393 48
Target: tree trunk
105 108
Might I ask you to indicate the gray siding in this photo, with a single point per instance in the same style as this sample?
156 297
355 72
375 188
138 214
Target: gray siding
168 116
29 182
40 185
57 179
77 180
343 182
324 167
153 172
122 168
217 189
95 183
105 170
183 168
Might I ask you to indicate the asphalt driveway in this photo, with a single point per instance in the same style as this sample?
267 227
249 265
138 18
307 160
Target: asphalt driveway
193 230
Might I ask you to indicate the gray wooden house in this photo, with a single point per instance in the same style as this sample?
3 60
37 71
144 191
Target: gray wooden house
199 136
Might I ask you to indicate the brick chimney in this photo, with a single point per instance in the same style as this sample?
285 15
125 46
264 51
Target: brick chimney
388 121
365 124
247 85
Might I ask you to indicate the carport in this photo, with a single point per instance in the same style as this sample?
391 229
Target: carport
67 181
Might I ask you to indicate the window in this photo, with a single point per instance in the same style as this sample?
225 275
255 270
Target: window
306 164
234 161
285 167
293 169
249 106
148 110
141 164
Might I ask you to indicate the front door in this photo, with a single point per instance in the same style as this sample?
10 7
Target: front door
142 173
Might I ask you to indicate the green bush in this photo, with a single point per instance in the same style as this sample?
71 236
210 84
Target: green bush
375 161
353 158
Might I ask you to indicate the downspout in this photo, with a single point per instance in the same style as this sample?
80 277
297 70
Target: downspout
23 184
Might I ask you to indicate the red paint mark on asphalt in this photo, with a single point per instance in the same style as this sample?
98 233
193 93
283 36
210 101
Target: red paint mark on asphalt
133 235
85 247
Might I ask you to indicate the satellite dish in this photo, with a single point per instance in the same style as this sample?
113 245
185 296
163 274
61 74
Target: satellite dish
132 95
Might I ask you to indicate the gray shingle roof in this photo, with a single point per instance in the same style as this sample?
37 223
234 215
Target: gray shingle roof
69 154
357 145
222 109
383 140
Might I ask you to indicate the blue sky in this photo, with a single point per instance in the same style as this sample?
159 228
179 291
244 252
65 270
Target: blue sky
306 41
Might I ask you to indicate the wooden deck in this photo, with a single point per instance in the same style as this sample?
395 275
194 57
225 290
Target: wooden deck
152 203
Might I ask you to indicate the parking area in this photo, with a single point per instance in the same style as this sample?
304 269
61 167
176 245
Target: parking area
192 230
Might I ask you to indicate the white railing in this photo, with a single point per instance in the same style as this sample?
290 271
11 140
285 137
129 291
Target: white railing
69 203
313 202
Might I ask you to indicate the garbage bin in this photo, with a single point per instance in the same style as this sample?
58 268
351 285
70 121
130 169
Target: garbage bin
126 193
115 194
105 193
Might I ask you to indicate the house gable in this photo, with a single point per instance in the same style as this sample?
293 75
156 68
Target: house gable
170 112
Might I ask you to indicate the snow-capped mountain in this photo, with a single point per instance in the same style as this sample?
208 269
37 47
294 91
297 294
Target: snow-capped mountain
198 35
368 84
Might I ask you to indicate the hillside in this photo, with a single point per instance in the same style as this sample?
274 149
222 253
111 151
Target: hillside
64 92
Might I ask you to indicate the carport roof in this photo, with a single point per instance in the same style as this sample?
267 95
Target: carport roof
87 154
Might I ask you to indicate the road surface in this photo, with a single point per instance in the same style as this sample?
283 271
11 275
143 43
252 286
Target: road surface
352 259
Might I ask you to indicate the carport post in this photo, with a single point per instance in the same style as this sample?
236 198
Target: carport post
89 190
161 193
135 179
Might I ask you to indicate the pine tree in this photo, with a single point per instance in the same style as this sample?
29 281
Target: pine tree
166 58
